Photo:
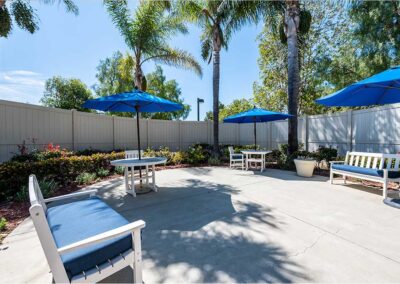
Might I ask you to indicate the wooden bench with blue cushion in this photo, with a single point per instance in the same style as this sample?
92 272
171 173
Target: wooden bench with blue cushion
84 240
368 166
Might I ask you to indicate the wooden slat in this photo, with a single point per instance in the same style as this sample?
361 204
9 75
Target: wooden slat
396 164
381 163
351 160
389 163
357 160
375 163
368 162
362 162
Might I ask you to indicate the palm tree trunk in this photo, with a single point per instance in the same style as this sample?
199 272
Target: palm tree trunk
292 21
216 66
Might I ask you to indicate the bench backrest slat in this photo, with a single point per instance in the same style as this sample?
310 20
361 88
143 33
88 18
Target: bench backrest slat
133 154
373 160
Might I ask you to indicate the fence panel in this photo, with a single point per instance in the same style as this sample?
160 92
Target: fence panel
372 130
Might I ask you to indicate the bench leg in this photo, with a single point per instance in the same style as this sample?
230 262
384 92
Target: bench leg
331 177
385 183
137 261
344 179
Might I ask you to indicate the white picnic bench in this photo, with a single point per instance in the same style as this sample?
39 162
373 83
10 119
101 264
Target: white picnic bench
375 167
84 240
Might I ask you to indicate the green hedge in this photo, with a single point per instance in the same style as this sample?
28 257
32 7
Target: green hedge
64 170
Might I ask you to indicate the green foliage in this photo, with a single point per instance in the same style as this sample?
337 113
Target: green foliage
179 158
148 33
326 154
317 47
115 75
237 106
103 172
24 15
160 87
5 22
119 170
376 33
212 161
65 93
47 186
3 224
86 178
63 170
196 154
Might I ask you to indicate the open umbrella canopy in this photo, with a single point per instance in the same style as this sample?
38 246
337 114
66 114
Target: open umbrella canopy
134 101
256 115
382 88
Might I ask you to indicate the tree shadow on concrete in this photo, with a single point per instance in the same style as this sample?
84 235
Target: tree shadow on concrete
201 233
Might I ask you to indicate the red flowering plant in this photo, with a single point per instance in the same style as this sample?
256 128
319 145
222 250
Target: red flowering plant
52 151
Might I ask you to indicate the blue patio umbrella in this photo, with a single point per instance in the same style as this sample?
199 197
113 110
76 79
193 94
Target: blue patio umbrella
382 88
135 101
256 115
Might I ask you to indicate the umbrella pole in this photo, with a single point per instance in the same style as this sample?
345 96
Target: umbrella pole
138 136
255 136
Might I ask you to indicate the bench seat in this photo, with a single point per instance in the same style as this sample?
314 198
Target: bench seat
82 219
365 171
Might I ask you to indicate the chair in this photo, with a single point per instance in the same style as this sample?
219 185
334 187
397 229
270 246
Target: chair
84 240
134 154
235 159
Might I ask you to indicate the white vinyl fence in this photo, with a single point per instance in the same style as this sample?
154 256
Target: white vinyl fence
372 130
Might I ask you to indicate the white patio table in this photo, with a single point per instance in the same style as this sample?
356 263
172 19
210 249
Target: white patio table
255 156
132 163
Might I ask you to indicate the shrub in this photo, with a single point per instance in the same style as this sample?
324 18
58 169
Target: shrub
179 157
47 186
197 155
119 170
3 224
86 178
103 172
161 152
214 161
64 170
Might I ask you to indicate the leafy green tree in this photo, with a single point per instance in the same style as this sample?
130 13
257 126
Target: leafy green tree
147 34
24 15
319 54
65 93
115 75
376 33
238 105
158 85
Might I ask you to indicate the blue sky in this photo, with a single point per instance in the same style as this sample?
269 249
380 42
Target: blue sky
72 46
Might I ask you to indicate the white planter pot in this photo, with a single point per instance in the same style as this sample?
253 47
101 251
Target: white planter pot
305 168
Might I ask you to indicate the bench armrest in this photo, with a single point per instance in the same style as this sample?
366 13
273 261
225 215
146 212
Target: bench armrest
336 162
71 195
114 233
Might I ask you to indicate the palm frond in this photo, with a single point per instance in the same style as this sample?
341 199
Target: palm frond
206 49
70 6
177 58
119 12
24 16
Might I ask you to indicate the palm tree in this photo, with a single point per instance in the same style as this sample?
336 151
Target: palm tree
213 16
24 15
296 23
147 34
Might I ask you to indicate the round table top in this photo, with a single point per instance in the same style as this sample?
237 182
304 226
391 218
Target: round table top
148 161
260 152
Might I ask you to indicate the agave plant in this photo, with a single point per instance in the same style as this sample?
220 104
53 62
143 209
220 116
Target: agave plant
147 33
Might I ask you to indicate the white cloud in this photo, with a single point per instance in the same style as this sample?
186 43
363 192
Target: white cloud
21 86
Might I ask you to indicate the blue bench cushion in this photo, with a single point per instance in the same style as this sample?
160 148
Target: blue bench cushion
365 171
237 156
79 220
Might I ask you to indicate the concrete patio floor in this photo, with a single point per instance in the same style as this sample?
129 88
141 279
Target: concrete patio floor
221 225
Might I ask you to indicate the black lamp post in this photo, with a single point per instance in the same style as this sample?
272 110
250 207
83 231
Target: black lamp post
199 101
